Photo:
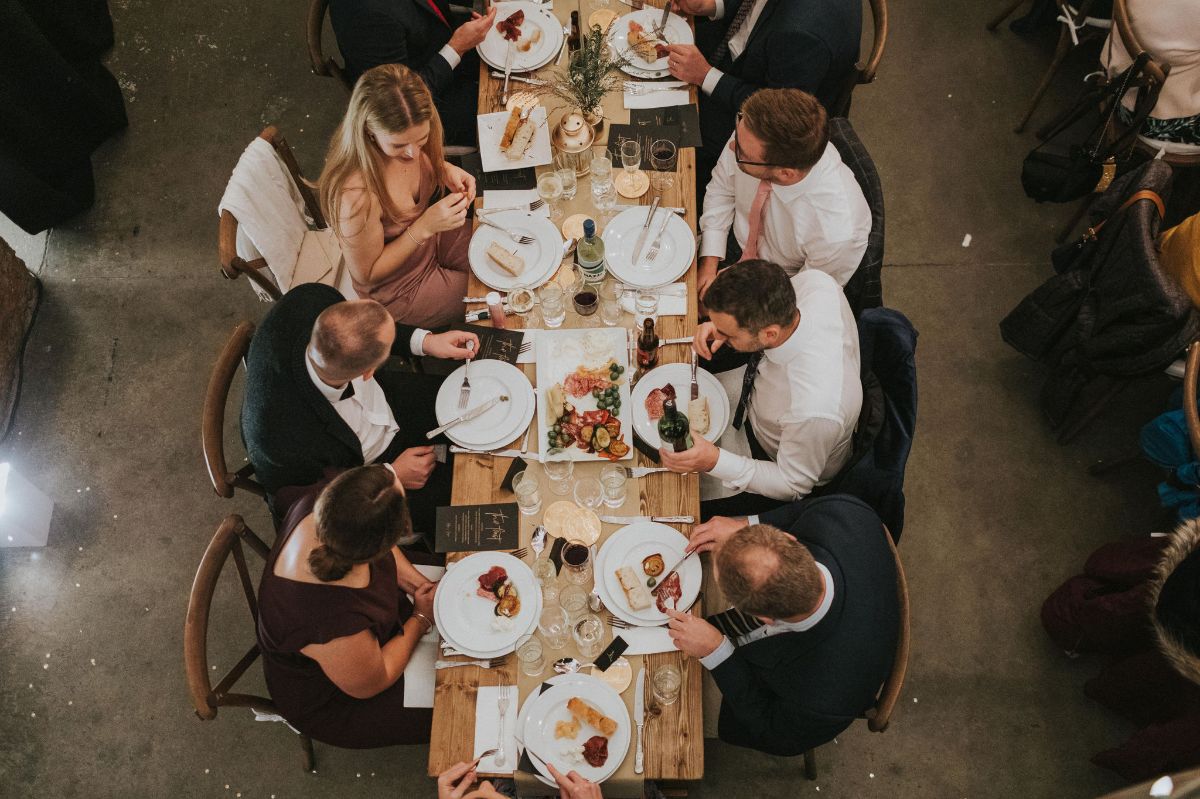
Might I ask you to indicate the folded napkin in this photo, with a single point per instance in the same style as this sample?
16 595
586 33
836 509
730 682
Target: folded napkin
672 300
647 640
507 198
420 677
527 357
487 727
659 98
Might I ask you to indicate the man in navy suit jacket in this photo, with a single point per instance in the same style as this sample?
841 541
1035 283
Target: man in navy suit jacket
428 38
777 44
823 595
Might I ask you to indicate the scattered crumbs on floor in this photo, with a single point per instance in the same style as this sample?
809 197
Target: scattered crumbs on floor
967 240
45 665
70 702
93 661
872 776
33 715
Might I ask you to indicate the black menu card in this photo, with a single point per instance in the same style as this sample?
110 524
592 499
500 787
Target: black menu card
498 345
509 179
679 123
472 528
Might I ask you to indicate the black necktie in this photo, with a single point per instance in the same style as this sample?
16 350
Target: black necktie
739 19
349 392
739 416
733 623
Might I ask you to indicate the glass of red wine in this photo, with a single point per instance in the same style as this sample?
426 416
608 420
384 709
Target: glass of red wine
577 562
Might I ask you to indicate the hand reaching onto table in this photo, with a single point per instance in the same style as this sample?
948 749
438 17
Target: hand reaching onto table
713 533
694 636
701 457
414 466
454 782
451 345
471 33
687 63
697 8
573 786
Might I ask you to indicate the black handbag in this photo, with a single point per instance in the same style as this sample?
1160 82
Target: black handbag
1077 156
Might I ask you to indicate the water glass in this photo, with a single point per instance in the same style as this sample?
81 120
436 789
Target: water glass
530 655
602 167
645 304
589 636
577 563
663 157
631 158
666 684
554 309
570 184
588 493
558 466
613 479
550 188
555 626
573 600
529 498
610 303
543 569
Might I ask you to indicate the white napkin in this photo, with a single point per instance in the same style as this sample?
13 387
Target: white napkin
659 99
507 198
647 640
487 725
420 677
672 300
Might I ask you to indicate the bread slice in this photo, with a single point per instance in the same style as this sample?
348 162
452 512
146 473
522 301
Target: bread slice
590 716
520 140
508 261
698 415
635 590
510 128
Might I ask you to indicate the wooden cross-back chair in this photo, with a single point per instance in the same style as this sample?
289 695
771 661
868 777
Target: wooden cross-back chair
232 264
864 71
879 716
212 423
323 65
231 539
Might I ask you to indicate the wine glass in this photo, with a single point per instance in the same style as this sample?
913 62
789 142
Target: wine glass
631 159
550 188
663 159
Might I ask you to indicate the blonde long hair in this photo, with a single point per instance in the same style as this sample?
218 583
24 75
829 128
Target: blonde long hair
387 100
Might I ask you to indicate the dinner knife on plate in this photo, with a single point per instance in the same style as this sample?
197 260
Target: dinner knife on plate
639 718
695 383
660 30
633 519
671 571
641 239
468 416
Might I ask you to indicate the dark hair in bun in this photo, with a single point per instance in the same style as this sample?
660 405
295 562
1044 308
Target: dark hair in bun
360 516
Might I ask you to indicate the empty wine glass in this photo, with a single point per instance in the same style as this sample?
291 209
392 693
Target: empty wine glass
631 158
663 157
550 188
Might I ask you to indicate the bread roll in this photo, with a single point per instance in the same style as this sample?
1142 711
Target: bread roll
508 261
520 140
589 715
635 590
698 415
510 129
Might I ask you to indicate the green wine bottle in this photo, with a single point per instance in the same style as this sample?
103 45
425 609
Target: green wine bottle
674 428
589 254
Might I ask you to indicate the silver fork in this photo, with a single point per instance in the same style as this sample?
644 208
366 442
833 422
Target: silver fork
620 624
483 664
523 350
502 703
532 206
520 554
464 393
562 51
521 239
647 88
642 471
656 245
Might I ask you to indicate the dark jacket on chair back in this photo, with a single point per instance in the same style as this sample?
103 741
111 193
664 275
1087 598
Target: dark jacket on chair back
409 32
291 432
790 692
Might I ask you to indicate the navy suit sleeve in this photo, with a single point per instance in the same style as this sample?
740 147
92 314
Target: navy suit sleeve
404 334
378 38
782 517
796 60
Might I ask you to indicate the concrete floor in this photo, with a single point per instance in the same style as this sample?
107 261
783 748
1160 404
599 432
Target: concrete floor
92 695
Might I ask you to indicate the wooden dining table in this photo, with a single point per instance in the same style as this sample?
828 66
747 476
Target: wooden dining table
674 740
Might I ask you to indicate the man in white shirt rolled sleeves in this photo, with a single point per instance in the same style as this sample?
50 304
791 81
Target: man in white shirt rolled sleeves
782 190
801 393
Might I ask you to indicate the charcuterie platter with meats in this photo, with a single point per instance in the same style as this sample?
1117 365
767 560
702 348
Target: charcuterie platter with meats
583 393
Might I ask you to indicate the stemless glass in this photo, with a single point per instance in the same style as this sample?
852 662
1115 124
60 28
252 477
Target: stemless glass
521 301
610 303
525 486
588 492
554 309
531 655
555 626
645 304
589 636
570 184
558 466
550 188
631 158
666 684
573 600
663 157
613 479
577 563
543 569
604 193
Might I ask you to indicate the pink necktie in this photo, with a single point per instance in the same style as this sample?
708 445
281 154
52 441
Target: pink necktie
758 212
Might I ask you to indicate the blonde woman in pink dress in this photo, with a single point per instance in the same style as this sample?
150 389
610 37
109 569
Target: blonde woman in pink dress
398 208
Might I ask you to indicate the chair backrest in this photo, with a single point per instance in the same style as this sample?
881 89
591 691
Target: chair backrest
207 698
864 71
212 423
323 65
232 264
864 289
880 716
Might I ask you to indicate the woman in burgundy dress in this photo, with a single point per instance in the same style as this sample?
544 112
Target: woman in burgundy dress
335 627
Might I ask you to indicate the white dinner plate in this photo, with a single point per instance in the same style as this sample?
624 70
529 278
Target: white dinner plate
679 375
542 258
676 253
494 47
677 32
462 615
558 353
537 723
499 424
491 131
627 547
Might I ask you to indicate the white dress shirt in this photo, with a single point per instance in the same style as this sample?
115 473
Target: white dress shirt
451 55
822 222
806 399
725 648
737 42
367 412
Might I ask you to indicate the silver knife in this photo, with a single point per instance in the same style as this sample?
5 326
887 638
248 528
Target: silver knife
507 74
633 519
641 239
639 718
468 416
497 453
660 31
695 384
670 571
531 81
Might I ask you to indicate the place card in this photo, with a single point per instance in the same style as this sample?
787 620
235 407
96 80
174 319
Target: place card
477 528
498 345
610 655
508 180
518 465
679 123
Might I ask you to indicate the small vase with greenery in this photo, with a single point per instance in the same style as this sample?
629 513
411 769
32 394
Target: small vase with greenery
592 72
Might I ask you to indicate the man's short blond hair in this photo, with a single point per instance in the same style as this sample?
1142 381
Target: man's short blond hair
346 338
765 572
792 124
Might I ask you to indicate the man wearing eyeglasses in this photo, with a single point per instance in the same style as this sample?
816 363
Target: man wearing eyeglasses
783 191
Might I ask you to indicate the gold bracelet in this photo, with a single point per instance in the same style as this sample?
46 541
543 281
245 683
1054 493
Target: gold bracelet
428 624
408 232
